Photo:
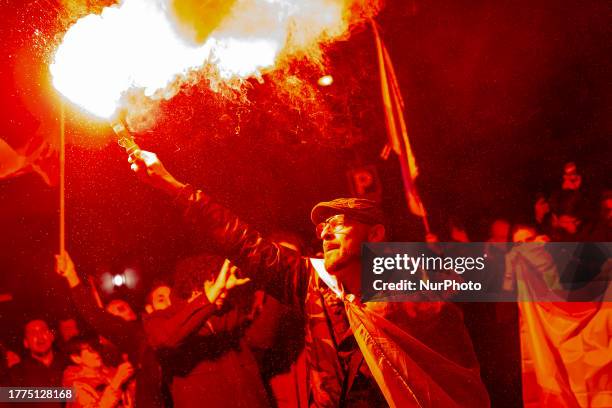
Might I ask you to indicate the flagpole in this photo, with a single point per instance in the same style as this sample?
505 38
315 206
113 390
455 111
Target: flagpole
406 156
94 292
394 119
62 180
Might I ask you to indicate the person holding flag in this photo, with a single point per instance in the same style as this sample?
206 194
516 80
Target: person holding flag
374 354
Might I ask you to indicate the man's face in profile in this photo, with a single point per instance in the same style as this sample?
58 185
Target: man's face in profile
342 240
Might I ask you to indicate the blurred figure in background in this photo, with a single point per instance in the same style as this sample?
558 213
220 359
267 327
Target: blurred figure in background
94 384
499 231
565 208
541 210
572 180
68 328
8 359
122 309
495 249
119 324
601 231
457 231
40 367
200 338
158 297
567 220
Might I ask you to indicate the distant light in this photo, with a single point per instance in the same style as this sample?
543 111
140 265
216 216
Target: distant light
118 280
130 277
326 80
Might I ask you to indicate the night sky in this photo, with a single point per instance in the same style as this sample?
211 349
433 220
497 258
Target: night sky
499 94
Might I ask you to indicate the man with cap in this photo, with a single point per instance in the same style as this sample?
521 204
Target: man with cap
374 354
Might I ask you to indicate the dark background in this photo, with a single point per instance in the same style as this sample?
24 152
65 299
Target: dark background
499 94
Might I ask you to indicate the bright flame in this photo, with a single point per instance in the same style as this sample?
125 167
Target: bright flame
243 59
133 45
137 45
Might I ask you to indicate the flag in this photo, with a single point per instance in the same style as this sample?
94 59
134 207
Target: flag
30 118
410 370
566 354
396 127
566 347
36 156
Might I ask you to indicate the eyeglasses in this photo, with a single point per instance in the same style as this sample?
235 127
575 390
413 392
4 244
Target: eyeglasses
333 224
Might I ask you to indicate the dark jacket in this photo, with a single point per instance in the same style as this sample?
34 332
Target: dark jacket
30 372
129 337
292 280
205 353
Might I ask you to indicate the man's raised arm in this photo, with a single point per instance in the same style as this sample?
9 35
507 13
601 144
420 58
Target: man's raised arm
277 270
170 330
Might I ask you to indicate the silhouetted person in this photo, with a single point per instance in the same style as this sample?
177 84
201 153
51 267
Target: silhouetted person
41 367
201 341
96 385
120 325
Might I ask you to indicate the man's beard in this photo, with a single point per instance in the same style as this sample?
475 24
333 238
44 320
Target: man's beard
337 263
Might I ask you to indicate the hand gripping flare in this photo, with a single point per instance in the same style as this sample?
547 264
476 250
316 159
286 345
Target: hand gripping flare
125 138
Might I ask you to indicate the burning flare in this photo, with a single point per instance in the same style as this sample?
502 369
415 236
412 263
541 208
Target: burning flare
141 44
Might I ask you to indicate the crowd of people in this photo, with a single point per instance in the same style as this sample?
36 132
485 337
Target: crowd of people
254 323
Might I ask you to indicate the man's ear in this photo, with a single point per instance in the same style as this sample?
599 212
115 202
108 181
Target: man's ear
76 359
376 233
148 308
26 345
